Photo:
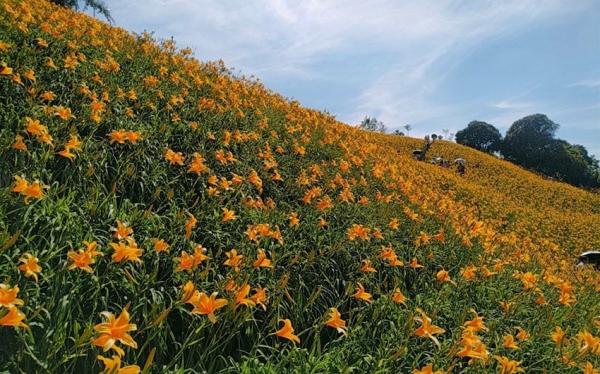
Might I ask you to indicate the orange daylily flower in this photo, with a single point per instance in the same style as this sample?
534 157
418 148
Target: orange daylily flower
83 258
30 266
30 75
557 335
260 297
469 272
472 347
5 70
63 113
21 184
241 297
189 289
160 245
228 215
440 236
121 136
428 369
336 321
190 224
197 165
233 259
443 276
287 332
414 264
132 136
122 231
113 330
361 294
41 42
50 63
262 260
13 318
80 260
186 262
427 329
113 366
73 143
33 191
589 369
174 158
67 154
423 238
509 342
205 305
587 343
398 297
366 267
28 190
522 334
508 366
388 254
476 324
8 296
294 220
486 272
191 262
126 251
19 144
358 231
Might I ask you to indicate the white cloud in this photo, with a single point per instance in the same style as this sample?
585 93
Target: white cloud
509 104
588 83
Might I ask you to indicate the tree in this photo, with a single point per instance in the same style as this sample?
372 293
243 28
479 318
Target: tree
528 140
530 143
398 132
372 124
96 5
407 127
480 135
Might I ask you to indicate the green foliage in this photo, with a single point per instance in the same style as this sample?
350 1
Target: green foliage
530 143
481 136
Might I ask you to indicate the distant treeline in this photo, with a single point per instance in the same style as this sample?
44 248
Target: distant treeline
530 142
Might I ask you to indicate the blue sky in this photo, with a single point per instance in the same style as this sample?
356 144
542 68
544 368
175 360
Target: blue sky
434 64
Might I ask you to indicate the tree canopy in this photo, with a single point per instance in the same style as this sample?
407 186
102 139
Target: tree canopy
530 142
529 139
480 135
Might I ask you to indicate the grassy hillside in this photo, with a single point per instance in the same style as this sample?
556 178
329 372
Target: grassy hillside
160 212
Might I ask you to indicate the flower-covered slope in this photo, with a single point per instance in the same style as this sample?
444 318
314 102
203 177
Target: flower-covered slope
159 214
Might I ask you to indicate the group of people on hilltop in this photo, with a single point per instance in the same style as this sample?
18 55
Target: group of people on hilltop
460 163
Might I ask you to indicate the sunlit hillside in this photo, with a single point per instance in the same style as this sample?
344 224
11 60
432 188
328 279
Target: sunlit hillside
160 214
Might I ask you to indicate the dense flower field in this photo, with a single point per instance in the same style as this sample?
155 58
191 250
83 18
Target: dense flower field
158 214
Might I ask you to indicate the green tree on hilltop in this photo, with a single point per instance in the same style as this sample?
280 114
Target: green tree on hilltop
481 136
530 142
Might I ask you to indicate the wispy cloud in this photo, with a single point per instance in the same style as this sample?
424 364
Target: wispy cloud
509 104
589 83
